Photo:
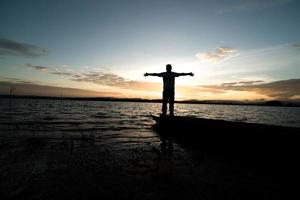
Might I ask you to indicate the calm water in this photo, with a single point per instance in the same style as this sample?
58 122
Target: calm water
122 123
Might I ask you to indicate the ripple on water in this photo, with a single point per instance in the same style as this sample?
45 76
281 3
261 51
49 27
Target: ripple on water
102 118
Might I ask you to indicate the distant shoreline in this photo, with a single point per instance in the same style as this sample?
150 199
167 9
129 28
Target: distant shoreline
114 99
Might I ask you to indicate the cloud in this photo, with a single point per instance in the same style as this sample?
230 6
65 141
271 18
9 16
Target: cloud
14 48
62 72
113 80
295 97
51 70
15 80
296 45
217 55
30 88
100 78
37 67
242 83
244 5
284 89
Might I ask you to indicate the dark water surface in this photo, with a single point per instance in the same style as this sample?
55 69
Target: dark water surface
125 124
123 155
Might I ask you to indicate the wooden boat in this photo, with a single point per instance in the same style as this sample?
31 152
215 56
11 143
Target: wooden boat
211 133
201 123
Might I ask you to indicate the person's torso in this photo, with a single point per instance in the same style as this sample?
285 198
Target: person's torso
169 80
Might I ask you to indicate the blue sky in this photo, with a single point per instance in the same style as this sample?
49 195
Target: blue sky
220 41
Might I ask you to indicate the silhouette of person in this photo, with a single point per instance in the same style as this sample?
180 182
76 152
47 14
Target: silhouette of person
169 87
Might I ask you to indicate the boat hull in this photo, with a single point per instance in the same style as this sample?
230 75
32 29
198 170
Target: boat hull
220 134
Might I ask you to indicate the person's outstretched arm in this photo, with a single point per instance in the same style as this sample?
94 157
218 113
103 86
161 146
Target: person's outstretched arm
152 74
185 74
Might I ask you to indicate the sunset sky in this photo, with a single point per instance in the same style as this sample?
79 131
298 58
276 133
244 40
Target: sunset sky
237 49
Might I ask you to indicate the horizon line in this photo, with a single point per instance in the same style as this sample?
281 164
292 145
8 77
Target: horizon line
292 103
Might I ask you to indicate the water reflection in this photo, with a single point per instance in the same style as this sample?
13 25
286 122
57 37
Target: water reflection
166 146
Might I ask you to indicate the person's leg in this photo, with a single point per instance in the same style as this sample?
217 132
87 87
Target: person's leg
164 104
171 103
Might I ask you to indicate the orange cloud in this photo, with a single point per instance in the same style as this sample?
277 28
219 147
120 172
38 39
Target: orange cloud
284 89
31 88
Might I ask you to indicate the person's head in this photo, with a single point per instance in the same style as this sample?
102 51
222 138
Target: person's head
169 67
